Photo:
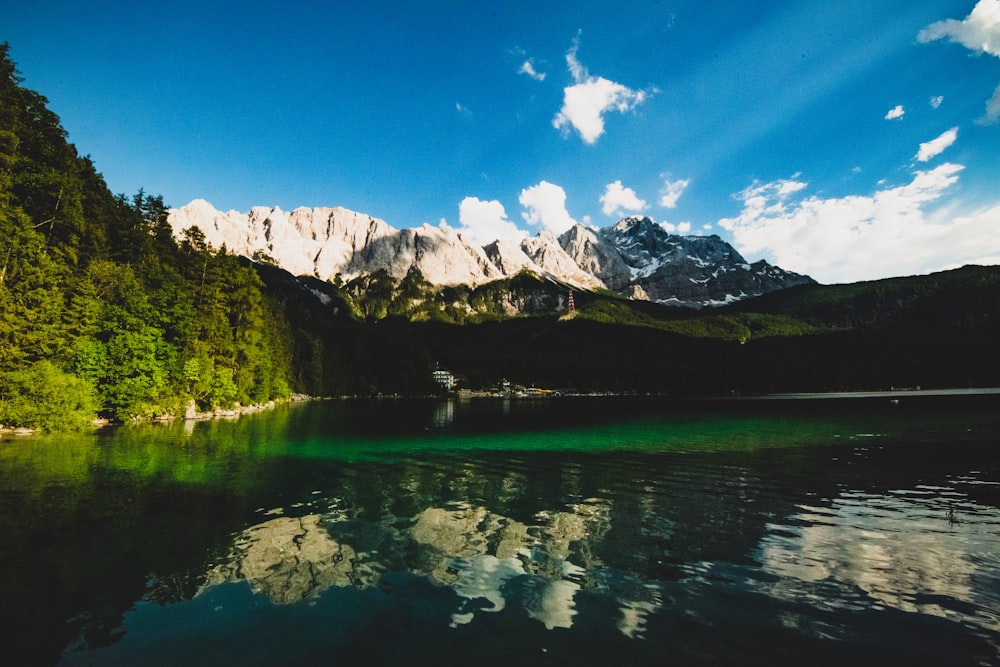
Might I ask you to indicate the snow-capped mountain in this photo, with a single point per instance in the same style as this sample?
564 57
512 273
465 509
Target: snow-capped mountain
686 270
636 257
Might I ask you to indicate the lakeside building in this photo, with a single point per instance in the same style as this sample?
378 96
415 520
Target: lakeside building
444 378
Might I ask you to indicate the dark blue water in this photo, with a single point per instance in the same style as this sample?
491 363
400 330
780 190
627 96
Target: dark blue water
561 531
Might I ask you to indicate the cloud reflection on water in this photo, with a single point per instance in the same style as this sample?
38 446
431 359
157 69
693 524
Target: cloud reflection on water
904 550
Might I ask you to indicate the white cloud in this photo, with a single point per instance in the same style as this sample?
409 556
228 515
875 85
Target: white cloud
992 108
845 239
485 221
672 190
528 67
680 227
979 31
618 199
935 147
586 102
936 101
895 112
546 207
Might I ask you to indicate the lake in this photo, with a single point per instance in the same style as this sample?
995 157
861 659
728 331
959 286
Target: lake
561 531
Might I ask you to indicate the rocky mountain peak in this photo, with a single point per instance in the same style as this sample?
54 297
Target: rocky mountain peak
636 256
635 236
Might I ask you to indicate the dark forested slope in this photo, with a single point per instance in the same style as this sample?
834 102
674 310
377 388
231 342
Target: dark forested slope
103 312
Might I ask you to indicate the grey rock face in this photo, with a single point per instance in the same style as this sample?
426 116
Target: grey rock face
635 257
686 270
596 256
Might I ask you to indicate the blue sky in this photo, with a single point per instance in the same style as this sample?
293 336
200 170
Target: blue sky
848 141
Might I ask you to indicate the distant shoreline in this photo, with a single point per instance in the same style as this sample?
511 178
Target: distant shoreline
893 393
817 395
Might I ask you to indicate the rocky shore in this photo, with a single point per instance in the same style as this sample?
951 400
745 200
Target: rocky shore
191 413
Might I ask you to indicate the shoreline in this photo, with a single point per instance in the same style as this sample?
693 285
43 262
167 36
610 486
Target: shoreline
237 411
782 396
190 415
889 393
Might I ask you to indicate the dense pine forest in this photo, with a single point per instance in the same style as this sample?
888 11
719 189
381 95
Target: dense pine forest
104 312
100 310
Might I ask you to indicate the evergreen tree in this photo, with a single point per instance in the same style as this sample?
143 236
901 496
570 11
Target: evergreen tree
96 294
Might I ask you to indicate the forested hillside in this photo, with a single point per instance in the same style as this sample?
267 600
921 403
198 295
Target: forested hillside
102 312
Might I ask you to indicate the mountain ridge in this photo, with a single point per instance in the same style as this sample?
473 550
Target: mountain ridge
635 257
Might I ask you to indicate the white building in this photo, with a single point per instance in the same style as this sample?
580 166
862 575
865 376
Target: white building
444 378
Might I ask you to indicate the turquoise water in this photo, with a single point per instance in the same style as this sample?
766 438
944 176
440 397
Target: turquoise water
556 531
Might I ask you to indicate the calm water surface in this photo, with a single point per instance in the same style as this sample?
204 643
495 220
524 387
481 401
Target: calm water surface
563 531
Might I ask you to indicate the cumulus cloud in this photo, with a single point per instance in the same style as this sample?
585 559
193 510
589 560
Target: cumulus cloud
617 200
936 101
844 239
589 98
546 207
979 31
895 112
935 147
680 227
528 67
672 190
485 221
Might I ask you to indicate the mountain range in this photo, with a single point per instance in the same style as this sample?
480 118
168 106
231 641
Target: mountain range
635 257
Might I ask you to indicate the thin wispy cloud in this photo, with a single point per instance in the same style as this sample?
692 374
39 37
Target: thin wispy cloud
895 113
992 108
528 67
589 98
672 190
619 200
545 206
934 147
936 101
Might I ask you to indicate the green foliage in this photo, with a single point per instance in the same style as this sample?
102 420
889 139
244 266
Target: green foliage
94 283
739 327
42 396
